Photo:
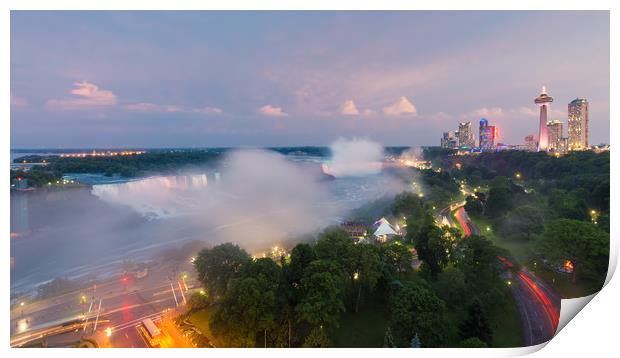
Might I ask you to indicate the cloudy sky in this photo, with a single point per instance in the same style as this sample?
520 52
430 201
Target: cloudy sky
153 79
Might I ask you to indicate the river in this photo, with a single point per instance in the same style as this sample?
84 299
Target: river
88 232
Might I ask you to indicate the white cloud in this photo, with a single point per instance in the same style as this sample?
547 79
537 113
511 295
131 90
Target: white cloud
402 107
487 112
348 108
208 110
86 95
144 107
272 111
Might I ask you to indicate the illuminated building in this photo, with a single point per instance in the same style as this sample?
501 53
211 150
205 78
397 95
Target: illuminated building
530 143
563 145
466 135
555 131
543 101
487 134
449 140
578 124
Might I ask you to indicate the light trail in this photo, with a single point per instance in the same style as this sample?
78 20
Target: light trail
549 308
461 219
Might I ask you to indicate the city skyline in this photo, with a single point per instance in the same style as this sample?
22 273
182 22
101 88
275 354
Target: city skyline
285 78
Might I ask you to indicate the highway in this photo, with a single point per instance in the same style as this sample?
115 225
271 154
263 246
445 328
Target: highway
538 304
124 304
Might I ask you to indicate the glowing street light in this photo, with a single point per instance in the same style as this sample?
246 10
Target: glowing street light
356 275
108 331
22 303
518 175
488 228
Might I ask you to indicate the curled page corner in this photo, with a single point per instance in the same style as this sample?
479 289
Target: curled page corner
570 308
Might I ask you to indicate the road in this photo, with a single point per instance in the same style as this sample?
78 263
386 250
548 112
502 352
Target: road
124 304
538 304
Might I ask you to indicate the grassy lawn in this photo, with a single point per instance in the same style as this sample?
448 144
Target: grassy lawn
363 329
506 326
519 249
201 320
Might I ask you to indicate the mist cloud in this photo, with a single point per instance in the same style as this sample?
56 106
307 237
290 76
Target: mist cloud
355 157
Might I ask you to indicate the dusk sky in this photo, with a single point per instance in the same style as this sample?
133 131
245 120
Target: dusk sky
211 79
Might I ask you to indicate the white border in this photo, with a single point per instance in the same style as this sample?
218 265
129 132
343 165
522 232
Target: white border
592 331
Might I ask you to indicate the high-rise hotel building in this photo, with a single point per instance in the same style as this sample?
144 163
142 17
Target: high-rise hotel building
466 135
555 131
487 135
578 124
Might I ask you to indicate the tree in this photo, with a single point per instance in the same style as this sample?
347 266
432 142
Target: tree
197 301
478 259
567 205
451 286
499 201
417 309
367 269
434 246
301 256
248 308
476 324
317 339
407 203
583 243
473 205
416 212
415 342
335 245
397 257
388 339
523 221
218 265
321 302
473 342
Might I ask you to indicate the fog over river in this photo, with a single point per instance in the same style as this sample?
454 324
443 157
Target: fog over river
255 198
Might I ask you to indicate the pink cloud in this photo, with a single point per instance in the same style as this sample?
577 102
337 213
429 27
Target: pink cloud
86 95
402 107
18 101
348 108
272 111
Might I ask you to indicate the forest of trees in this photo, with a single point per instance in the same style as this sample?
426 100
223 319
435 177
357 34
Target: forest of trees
557 208
150 162
299 300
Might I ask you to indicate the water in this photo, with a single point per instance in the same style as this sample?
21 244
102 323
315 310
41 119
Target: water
88 232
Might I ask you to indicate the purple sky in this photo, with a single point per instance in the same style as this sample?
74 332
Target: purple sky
153 79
